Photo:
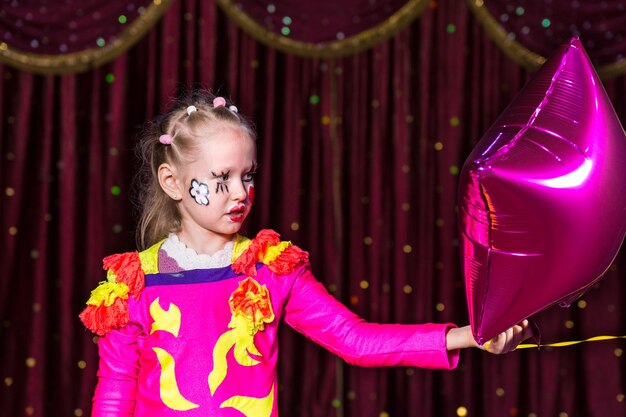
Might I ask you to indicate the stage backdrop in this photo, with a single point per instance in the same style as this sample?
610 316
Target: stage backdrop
359 162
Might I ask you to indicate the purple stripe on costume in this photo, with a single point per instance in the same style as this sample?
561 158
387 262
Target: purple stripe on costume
194 276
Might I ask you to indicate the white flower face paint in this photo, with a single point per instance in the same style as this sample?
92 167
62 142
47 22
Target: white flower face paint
200 192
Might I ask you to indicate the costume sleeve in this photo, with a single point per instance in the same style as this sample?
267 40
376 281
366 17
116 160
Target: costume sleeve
311 310
117 373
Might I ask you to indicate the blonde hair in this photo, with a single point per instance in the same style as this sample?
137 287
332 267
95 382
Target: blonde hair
158 213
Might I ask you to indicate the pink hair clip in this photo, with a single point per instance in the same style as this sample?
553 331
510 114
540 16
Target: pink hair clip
166 139
219 101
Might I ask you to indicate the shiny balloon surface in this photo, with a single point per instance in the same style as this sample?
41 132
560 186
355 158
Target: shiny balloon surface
542 197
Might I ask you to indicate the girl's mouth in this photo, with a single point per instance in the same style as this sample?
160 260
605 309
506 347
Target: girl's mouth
237 213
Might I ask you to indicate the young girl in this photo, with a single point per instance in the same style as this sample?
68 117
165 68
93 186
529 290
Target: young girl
189 325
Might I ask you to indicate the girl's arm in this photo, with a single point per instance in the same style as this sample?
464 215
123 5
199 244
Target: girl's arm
311 310
117 373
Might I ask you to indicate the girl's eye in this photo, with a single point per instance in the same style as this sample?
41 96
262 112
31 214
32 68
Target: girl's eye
249 177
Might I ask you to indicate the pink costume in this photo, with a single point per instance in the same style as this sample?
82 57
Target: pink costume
204 342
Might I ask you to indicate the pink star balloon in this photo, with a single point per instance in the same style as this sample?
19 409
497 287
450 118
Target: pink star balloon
542 199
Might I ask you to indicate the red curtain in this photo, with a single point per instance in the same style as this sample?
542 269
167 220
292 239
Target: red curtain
359 162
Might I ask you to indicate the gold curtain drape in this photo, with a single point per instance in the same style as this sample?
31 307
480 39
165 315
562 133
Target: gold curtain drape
522 55
89 58
352 44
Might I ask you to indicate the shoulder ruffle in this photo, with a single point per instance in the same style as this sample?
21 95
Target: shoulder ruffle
280 257
107 308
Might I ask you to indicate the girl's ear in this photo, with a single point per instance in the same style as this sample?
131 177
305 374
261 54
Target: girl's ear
169 181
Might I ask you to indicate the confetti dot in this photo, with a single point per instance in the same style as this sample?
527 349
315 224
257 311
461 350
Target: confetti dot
29 411
100 42
500 392
113 152
581 304
10 192
110 78
12 230
354 300
314 99
569 324
532 415
78 412
36 307
407 249
336 403
545 23
438 146
286 20
409 119
34 254
285 31
440 307
364 284
8 381
618 352
325 120
31 362
514 411
116 190
406 206
122 19
82 364
454 121
47 217
410 371
375 104
386 287
407 289
383 414
367 240
295 226
439 222
563 414
451 28
332 288
271 8
461 411
454 170
351 395
95 340
117 228
406 169
519 11
254 64
620 398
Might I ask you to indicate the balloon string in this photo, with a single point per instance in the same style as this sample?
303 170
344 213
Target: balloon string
573 342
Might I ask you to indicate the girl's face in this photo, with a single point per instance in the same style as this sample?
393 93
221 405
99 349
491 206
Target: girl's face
217 187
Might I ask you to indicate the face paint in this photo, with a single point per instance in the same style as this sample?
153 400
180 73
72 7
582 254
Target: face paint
200 192
251 194
221 181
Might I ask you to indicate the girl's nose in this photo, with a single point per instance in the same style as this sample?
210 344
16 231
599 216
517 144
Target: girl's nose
238 191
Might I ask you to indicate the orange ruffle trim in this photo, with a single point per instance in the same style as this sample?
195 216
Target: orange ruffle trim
286 262
101 318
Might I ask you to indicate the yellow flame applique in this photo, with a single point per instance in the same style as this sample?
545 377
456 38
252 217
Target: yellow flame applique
250 406
251 309
165 320
170 394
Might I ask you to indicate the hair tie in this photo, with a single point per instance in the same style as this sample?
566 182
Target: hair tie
191 109
219 101
166 139
233 109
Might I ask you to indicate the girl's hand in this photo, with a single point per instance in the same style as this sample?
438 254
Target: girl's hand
505 342
508 340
